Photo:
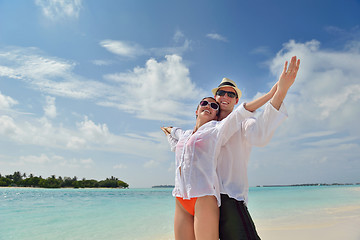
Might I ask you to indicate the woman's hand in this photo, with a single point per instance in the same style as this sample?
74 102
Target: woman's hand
166 130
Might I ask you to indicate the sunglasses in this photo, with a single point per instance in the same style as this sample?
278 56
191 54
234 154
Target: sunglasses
222 93
213 105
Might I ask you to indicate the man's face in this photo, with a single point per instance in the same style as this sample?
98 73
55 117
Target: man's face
226 103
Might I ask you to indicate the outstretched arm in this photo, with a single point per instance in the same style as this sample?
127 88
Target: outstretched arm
259 102
172 141
287 78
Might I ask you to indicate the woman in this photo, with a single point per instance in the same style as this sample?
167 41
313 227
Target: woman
196 183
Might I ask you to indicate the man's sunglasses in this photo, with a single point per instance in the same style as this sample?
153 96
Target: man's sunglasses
222 93
213 105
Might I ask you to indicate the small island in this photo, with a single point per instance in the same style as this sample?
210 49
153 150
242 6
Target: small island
163 186
22 180
310 185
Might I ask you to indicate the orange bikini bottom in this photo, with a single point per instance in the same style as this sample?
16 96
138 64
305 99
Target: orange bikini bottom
188 204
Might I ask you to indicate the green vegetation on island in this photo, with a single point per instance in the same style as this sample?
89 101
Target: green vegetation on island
22 180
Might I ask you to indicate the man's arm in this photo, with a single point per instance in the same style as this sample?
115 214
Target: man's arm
259 102
287 79
259 131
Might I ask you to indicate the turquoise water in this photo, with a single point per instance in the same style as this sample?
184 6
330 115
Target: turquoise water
27 213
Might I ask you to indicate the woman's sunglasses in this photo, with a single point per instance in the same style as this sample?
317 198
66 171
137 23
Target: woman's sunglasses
213 105
222 93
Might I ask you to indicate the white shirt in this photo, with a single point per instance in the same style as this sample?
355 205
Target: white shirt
195 174
232 161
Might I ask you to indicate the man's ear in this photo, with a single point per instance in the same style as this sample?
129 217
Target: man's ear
237 100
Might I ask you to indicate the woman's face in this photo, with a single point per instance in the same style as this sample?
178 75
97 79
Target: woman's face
207 110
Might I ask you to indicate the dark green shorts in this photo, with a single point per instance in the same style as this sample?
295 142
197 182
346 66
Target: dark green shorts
235 220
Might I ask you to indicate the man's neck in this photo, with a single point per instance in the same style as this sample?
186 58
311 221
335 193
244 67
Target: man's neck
223 114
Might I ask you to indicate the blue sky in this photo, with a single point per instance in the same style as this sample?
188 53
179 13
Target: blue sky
86 85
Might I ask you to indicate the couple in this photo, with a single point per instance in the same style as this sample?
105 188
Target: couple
211 184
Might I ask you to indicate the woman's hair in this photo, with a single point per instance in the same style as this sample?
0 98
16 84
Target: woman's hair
218 111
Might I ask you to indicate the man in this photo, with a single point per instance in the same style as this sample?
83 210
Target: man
235 220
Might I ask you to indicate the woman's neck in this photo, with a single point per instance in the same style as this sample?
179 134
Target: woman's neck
199 123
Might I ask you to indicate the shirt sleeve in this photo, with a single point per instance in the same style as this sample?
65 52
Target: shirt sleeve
259 131
232 123
174 137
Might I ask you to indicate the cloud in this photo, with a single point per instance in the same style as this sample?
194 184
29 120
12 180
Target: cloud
123 48
50 108
43 158
262 50
100 62
60 9
178 36
161 90
326 93
217 37
132 50
320 139
151 164
161 85
49 75
6 102
8 127
86 135
120 166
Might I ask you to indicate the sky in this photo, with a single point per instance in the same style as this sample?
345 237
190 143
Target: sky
86 85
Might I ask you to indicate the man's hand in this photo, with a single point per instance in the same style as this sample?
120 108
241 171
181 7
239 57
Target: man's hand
288 75
287 78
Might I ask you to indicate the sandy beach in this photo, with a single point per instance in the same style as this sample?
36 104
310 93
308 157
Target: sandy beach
331 223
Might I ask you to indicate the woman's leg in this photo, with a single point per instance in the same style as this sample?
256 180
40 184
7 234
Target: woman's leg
183 223
206 220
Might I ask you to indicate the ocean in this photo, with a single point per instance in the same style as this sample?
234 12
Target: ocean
33 213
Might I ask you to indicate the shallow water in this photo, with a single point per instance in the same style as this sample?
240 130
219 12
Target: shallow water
27 213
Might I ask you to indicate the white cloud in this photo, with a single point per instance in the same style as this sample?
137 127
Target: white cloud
6 102
43 158
216 36
120 166
151 164
49 74
262 50
320 139
178 36
60 9
100 62
123 48
50 108
131 49
162 85
325 95
8 127
86 136
161 90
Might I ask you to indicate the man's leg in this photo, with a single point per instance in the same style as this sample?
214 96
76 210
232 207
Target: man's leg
235 221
